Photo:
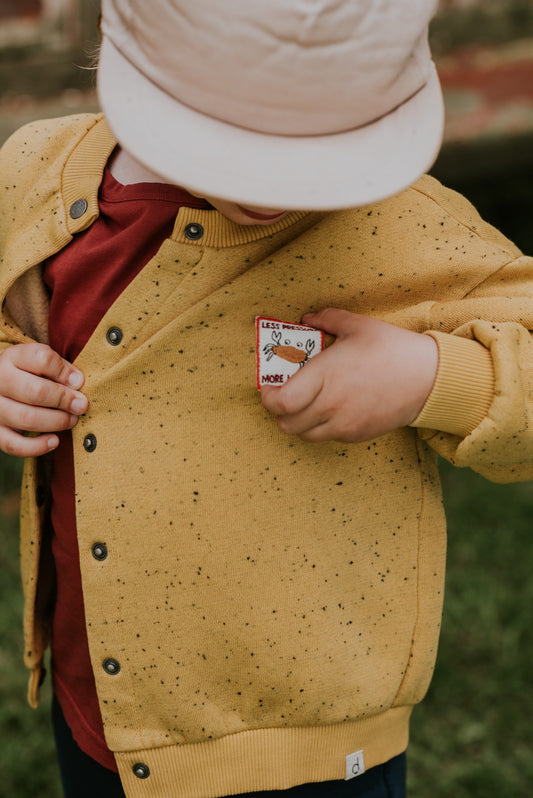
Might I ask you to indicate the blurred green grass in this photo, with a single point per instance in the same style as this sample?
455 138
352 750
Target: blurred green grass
471 738
27 759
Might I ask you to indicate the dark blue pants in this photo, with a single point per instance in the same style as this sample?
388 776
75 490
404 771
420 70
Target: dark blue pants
82 777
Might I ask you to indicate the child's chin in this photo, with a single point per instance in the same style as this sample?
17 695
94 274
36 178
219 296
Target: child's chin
257 217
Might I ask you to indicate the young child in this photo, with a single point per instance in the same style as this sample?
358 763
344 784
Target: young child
234 605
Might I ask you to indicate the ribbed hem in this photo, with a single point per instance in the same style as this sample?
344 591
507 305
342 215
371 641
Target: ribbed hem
463 389
263 759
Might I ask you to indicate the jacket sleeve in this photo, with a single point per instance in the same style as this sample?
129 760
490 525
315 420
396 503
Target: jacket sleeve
23 296
480 411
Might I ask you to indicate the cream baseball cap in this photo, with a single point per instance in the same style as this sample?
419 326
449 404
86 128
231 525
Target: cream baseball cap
293 104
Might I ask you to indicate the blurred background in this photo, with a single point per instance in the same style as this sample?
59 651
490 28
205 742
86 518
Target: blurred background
472 737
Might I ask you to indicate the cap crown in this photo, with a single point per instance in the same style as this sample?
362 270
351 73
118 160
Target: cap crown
299 67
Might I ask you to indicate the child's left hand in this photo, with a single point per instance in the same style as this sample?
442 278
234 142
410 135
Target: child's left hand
373 379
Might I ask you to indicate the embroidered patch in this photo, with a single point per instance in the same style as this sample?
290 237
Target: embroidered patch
283 348
355 765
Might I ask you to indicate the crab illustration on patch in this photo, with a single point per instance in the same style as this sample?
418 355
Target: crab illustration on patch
283 348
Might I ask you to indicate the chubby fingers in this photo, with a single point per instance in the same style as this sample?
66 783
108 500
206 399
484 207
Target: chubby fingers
335 321
38 393
306 404
17 445
295 403
35 375
31 418
298 404
43 360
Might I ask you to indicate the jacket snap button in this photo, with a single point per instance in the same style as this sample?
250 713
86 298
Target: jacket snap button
141 771
99 551
194 231
111 666
114 336
78 208
89 443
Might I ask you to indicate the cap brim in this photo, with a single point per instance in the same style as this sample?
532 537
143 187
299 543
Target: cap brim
217 159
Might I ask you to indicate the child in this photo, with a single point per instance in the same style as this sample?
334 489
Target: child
237 606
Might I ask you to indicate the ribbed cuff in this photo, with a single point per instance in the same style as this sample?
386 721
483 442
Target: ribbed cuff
463 388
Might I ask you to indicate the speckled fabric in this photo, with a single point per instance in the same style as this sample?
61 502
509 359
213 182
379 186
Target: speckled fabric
267 606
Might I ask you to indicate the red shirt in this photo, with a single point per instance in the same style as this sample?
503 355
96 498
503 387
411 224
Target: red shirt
84 280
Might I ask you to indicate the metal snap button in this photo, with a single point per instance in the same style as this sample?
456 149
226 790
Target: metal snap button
194 231
141 770
78 208
89 443
99 551
111 666
114 336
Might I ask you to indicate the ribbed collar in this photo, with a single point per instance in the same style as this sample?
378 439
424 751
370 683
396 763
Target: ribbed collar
83 175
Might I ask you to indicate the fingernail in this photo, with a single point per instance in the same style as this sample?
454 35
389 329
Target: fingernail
52 443
78 405
75 379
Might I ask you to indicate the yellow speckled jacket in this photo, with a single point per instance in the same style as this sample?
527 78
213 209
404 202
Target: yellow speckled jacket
274 605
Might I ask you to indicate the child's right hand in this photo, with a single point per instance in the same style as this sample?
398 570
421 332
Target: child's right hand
38 393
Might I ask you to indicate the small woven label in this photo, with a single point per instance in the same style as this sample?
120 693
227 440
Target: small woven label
283 348
355 765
